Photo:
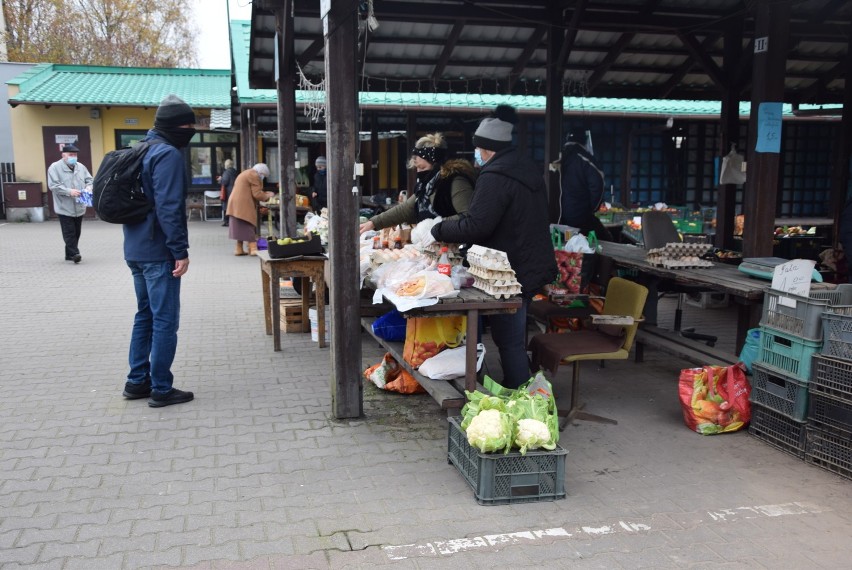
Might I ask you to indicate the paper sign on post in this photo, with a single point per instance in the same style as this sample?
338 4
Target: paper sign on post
793 277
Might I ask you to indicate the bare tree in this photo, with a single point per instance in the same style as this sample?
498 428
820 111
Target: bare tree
125 33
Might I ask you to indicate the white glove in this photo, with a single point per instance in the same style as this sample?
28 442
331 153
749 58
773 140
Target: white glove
421 235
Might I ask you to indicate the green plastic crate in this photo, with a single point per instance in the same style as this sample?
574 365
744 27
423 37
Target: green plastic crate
501 479
787 353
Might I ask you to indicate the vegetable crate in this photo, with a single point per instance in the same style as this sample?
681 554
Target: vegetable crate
787 353
830 450
777 430
832 377
837 335
794 314
501 479
830 413
779 392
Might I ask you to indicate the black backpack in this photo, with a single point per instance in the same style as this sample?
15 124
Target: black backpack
118 197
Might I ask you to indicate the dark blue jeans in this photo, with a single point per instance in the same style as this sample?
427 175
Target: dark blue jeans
509 334
154 339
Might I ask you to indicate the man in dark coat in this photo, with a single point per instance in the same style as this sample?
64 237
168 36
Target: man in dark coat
508 213
581 189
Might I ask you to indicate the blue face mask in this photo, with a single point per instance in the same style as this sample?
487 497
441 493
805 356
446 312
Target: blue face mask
72 160
477 157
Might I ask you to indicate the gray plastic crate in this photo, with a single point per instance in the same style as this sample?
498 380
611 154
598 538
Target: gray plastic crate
830 413
779 392
794 314
500 479
829 450
777 430
832 377
837 335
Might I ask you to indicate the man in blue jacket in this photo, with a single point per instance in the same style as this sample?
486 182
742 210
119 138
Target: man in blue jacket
508 213
156 250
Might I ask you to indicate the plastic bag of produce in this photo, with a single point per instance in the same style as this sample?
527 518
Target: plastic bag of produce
714 399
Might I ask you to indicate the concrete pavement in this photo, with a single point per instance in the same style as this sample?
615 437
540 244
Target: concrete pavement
257 474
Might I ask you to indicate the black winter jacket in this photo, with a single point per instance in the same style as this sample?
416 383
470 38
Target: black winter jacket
509 213
582 186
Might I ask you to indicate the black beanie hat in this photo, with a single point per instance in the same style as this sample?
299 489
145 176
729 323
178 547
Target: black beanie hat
495 132
173 112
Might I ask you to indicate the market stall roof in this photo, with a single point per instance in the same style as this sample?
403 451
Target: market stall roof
641 49
53 84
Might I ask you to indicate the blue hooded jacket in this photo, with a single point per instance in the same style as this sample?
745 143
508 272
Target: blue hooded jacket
163 235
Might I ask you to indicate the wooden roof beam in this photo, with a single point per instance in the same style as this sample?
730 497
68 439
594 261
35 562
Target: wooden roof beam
684 68
526 55
573 26
449 46
707 63
311 52
604 66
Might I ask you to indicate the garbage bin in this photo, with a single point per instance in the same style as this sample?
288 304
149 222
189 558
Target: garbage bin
24 201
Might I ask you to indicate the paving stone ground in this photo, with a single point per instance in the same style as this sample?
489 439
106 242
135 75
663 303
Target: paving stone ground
257 474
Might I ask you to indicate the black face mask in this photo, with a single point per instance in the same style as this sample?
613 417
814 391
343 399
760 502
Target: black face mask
179 137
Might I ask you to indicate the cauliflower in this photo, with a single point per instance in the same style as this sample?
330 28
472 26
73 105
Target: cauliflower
490 430
533 434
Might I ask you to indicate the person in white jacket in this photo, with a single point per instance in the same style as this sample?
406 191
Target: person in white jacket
67 179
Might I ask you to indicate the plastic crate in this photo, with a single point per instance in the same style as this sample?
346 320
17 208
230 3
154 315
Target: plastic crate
840 295
787 353
777 430
793 314
832 377
689 227
826 412
500 479
829 450
837 335
779 392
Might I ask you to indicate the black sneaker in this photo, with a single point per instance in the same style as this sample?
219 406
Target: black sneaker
136 391
77 258
173 396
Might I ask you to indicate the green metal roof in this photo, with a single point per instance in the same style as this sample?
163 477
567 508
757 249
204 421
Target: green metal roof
240 47
52 84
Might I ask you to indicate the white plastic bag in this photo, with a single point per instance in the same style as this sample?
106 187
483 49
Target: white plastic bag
450 363
732 169
578 244
421 235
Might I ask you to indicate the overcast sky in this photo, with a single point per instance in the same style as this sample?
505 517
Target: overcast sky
211 17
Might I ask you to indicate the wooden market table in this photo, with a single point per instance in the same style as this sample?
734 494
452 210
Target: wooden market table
471 303
746 291
309 269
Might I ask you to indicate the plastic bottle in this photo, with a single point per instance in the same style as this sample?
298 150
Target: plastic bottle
377 242
444 265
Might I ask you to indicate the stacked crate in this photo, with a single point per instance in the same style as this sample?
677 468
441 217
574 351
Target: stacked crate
829 431
790 336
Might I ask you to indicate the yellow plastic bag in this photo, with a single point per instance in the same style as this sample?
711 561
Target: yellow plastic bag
427 336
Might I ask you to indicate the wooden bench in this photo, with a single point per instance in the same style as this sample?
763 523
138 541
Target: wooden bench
673 343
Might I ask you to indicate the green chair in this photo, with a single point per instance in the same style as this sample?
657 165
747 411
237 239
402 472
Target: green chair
608 342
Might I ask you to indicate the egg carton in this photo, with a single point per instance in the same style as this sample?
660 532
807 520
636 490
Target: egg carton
491 274
497 291
683 249
686 263
488 258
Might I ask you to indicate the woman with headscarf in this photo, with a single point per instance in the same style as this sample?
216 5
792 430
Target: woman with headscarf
242 207
444 187
229 176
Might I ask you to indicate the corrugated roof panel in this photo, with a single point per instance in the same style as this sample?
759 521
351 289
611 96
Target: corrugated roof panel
145 87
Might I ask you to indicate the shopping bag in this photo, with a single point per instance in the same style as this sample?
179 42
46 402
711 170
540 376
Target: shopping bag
427 336
389 375
390 326
450 363
714 399
732 169
223 195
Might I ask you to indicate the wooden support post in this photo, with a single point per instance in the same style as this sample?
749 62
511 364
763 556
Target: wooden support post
553 111
772 23
340 29
842 158
374 153
411 139
285 76
730 132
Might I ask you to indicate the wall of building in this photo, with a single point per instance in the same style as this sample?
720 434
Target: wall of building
7 72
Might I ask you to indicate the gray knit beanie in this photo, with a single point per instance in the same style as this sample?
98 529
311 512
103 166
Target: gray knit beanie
173 112
495 132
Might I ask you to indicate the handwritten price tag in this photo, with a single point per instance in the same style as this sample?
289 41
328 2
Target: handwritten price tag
794 277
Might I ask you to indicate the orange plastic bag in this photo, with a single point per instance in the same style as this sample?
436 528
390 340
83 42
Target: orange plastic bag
715 398
427 336
389 375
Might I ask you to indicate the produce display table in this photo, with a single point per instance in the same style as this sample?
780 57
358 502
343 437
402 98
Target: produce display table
471 303
722 278
309 269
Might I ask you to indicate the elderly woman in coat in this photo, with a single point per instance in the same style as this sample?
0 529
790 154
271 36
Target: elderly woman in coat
242 207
